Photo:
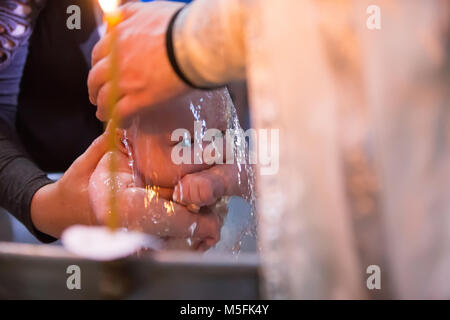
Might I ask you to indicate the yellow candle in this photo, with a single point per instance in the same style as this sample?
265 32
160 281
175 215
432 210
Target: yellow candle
112 18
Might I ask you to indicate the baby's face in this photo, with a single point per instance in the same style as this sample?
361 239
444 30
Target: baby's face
150 134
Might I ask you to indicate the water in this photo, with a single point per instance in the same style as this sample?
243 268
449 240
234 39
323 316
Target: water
197 108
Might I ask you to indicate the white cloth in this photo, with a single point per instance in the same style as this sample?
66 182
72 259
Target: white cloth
209 41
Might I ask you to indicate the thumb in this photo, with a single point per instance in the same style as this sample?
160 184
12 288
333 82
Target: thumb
91 157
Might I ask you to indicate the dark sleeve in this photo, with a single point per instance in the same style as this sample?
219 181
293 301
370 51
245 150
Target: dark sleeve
20 178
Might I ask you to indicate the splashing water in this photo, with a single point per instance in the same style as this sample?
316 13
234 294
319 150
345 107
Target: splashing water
240 149
130 156
240 157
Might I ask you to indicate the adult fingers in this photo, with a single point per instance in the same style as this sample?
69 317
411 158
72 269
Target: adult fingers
129 9
103 97
97 77
101 49
126 107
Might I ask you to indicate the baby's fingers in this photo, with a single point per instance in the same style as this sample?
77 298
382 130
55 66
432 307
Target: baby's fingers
203 188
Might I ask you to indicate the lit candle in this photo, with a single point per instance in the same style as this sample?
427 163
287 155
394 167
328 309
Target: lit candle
112 18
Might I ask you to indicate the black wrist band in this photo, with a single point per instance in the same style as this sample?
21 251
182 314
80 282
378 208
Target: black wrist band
172 58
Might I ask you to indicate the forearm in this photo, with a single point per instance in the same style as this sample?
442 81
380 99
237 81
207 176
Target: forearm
209 41
52 214
20 178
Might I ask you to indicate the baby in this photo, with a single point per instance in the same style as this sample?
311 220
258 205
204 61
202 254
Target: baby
178 202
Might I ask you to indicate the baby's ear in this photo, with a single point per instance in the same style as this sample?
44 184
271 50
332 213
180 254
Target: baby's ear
122 141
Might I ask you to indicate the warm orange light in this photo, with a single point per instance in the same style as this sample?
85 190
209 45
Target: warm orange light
109 6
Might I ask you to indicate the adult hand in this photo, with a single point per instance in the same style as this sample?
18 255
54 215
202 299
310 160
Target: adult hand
149 210
56 206
145 74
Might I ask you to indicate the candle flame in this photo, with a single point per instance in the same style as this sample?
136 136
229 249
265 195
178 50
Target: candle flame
109 6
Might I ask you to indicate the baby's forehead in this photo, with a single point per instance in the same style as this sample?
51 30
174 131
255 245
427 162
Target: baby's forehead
205 110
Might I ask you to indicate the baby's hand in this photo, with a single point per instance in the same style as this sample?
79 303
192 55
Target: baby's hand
199 189
205 188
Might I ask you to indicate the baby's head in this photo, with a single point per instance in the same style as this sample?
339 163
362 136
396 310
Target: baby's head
150 136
